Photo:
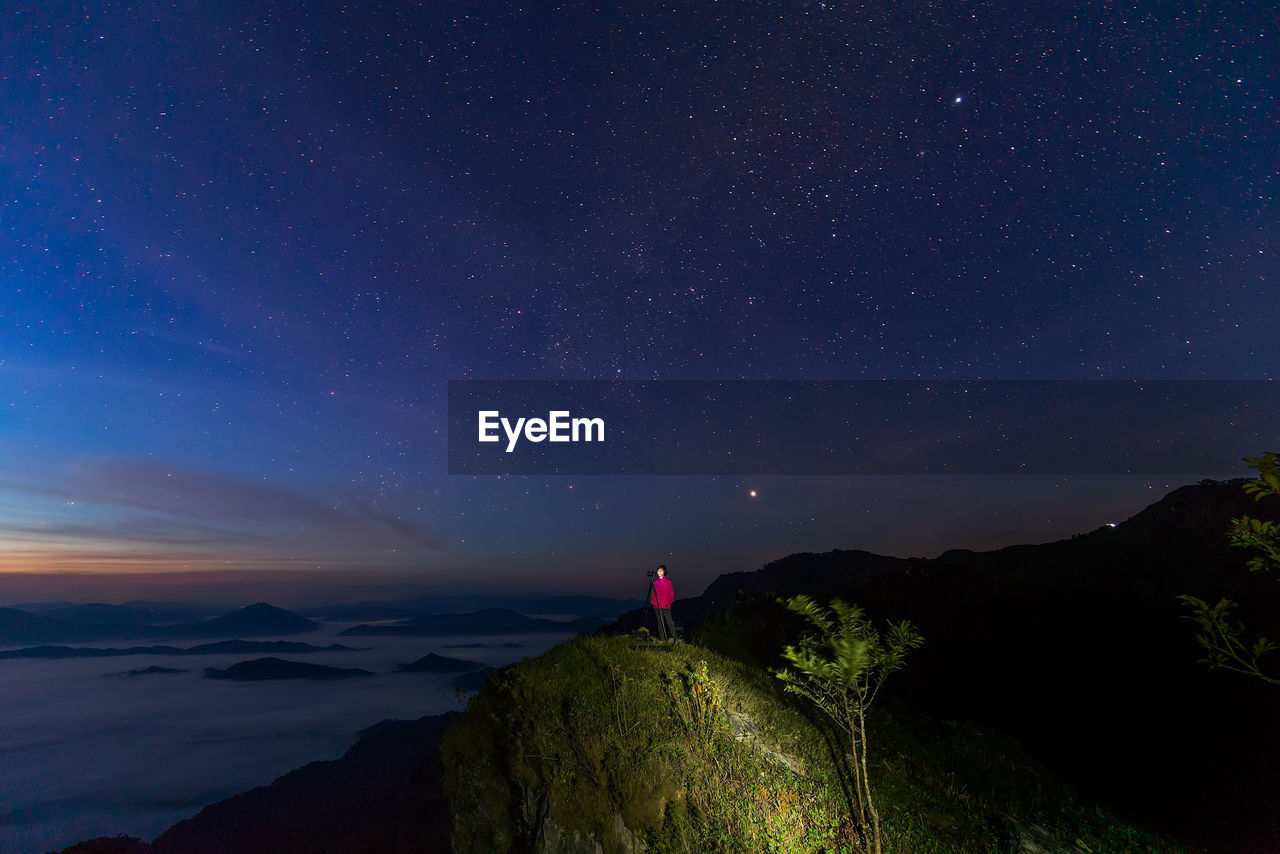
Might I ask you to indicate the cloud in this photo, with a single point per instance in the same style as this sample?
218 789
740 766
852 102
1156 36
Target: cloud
103 754
130 503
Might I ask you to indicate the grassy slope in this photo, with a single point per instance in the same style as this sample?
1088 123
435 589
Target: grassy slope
701 753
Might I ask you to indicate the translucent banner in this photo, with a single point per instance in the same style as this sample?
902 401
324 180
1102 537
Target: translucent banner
872 427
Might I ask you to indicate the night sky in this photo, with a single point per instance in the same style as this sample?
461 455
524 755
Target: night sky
244 247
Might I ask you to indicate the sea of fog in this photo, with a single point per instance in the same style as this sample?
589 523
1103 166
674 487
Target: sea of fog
87 752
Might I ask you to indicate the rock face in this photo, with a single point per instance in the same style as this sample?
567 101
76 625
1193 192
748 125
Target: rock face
602 745
744 729
550 838
1033 839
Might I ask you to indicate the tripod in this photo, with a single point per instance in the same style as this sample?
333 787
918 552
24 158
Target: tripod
649 608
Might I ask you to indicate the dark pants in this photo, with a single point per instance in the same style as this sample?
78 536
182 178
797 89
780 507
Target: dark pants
666 628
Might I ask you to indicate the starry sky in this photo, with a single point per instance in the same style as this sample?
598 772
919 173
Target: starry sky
243 249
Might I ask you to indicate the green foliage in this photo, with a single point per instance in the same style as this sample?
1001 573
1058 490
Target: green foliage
1223 638
698 701
841 669
1263 536
1268 480
1225 647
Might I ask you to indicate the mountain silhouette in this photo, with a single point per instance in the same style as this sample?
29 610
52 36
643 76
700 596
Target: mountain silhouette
153 670
24 627
100 614
383 796
18 627
136 613
1079 648
259 619
260 669
212 648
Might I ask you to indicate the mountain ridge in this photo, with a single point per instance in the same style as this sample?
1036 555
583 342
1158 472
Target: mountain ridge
1027 637
261 619
1022 635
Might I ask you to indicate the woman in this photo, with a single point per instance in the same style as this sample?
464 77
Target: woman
661 595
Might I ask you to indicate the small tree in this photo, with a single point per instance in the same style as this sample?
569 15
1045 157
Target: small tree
1222 637
841 670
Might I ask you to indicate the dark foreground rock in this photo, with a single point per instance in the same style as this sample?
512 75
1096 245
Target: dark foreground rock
382 797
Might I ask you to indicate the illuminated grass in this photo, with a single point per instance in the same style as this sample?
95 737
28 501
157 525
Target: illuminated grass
688 751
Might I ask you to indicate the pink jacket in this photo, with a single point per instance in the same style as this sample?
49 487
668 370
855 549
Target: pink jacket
663 593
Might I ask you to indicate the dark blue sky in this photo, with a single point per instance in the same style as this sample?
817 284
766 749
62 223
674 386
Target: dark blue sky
241 252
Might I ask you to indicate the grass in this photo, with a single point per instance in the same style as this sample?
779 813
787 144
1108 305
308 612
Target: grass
688 751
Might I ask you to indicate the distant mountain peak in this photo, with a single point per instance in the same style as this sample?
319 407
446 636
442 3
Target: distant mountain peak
261 607
260 618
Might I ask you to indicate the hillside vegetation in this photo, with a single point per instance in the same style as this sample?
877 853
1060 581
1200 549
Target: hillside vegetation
631 747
